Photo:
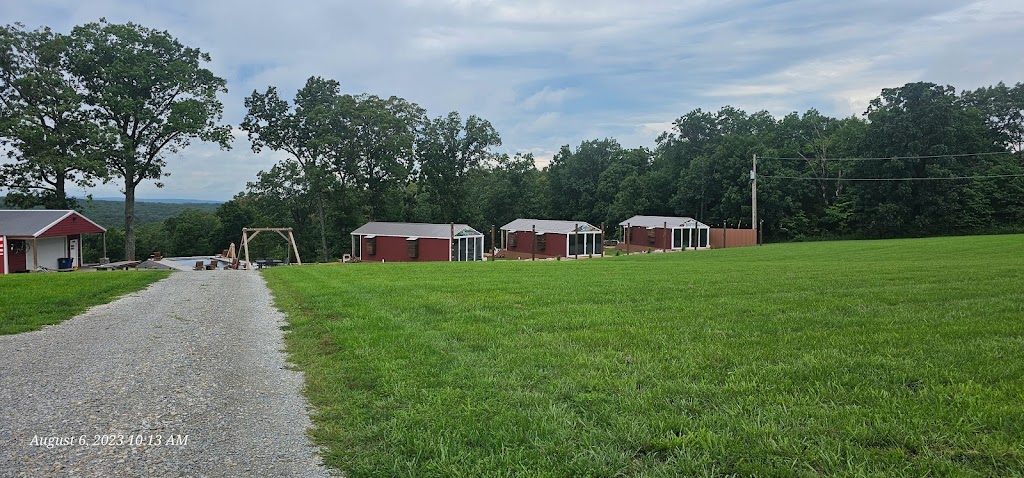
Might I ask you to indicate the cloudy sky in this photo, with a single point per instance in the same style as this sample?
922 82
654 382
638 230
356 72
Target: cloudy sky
548 73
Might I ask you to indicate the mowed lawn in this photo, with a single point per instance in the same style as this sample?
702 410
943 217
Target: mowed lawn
877 358
30 301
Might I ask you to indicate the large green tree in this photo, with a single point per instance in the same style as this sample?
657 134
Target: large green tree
151 95
924 121
448 150
312 133
1002 108
42 121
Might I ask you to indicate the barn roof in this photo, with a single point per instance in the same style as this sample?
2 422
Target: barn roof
35 222
651 222
548 226
414 229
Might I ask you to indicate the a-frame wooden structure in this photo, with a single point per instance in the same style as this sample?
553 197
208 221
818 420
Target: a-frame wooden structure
246 237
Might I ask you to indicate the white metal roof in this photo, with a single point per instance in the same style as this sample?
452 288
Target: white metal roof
546 226
414 229
651 222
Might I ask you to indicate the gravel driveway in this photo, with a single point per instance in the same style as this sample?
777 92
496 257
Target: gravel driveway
185 378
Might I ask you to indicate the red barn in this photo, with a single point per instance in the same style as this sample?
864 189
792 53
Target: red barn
40 238
549 238
663 232
417 242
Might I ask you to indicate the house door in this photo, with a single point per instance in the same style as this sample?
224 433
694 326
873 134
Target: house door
677 238
17 259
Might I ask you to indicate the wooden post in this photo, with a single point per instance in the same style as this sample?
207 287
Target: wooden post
494 250
576 239
295 247
245 246
105 245
35 254
629 231
725 226
533 243
602 239
664 232
760 233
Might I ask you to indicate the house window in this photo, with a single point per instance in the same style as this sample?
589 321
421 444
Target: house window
650 236
512 240
542 242
414 248
371 246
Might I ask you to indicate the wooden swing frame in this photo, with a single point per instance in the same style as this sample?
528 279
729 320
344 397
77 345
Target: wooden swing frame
246 237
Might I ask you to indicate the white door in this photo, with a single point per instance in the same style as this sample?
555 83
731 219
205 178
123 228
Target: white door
73 248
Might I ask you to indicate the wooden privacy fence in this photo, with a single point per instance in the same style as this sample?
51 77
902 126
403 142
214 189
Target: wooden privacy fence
723 237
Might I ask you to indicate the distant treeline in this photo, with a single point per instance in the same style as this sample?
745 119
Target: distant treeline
923 160
110 214
190 232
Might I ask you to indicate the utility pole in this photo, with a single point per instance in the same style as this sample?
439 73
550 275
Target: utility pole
753 194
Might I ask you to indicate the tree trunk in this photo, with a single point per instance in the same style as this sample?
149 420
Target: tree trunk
60 192
129 221
323 227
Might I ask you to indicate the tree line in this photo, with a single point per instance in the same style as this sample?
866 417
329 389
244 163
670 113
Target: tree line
939 163
923 159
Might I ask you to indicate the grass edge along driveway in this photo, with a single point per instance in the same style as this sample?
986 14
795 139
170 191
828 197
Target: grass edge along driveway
30 301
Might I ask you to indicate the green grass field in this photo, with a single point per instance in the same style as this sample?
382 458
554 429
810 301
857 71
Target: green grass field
870 358
30 301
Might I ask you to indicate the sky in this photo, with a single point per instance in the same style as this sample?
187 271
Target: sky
557 72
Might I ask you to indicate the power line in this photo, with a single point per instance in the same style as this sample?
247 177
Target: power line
952 178
889 157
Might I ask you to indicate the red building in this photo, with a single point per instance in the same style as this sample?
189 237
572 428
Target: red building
417 242
41 238
664 232
549 238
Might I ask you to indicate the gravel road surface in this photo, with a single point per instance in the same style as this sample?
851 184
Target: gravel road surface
185 378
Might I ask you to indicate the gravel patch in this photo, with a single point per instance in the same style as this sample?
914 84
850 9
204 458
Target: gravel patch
185 378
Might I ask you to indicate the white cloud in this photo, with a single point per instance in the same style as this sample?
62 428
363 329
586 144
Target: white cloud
548 97
548 73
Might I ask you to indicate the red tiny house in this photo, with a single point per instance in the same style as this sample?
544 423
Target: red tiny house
39 239
546 238
416 242
665 233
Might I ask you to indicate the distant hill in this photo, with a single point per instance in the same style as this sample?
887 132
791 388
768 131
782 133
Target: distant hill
110 213
162 200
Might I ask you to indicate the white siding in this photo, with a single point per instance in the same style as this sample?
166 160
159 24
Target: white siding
50 249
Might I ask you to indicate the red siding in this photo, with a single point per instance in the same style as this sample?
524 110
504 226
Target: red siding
396 249
555 243
639 237
73 224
